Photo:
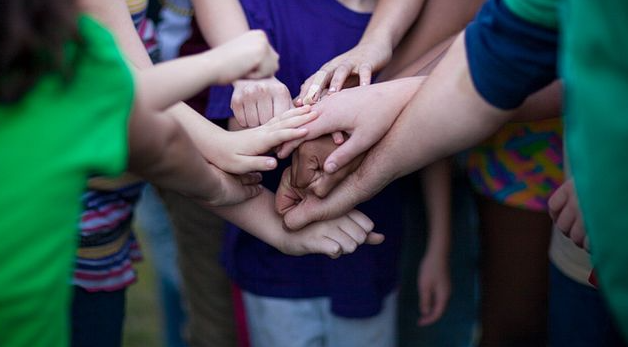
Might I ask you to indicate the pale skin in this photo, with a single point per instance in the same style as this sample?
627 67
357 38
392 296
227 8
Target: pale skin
424 131
179 165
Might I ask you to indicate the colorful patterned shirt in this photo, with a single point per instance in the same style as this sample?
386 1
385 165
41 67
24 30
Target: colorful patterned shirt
521 165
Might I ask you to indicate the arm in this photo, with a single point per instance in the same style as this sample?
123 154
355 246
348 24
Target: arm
333 237
242 154
389 22
445 116
253 102
434 283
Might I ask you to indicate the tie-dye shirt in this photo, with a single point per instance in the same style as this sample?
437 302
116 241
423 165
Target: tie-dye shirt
521 165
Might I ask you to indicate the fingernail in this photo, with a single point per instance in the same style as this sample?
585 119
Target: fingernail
270 162
332 90
331 167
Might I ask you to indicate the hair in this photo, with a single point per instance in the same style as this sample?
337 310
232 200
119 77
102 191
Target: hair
33 38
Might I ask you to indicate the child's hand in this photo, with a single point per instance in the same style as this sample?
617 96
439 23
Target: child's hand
249 56
333 237
255 102
565 212
434 286
239 151
232 189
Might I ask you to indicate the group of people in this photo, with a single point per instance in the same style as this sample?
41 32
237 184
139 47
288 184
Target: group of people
87 116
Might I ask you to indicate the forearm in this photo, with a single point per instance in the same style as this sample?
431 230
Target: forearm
390 21
164 154
220 20
436 183
445 116
266 224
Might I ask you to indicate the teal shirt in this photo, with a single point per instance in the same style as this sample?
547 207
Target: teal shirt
594 66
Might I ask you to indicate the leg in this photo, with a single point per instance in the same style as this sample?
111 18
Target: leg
379 330
97 318
514 276
152 219
278 322
206 287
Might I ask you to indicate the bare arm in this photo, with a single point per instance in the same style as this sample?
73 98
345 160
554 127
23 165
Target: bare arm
434 283
220 20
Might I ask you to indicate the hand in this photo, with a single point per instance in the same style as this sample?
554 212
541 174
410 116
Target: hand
332 237
249 55
231 189
306 176
434 286
362 60
256 102
365 113
239 151
565 212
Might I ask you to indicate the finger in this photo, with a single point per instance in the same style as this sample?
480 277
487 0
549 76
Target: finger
353 230
338 137
238 111
557 201
587 244
250 178
319 82
340 76
425 297
250 114
365 72
264 109
281 103
305 213
374 238
247 192
342 235
286 197
288 147
280 136
256 163
344 154
329 247
566 219
362 220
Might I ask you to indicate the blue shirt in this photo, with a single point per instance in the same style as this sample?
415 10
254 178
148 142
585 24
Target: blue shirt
307 34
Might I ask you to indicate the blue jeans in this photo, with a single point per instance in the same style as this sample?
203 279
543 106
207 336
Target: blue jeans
578 316
153 221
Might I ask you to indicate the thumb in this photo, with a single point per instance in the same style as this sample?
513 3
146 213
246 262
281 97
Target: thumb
303 214
345 154
373 238
254 163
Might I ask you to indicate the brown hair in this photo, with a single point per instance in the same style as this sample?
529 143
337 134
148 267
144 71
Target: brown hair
33 34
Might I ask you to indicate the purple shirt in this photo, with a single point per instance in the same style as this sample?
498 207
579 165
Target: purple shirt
307 34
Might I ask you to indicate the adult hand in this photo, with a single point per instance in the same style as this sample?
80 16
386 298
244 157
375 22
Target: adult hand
565 212
255 102
365 113
434 287
362 60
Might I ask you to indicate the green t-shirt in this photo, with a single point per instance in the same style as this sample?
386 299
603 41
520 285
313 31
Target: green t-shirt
594 67
50 142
